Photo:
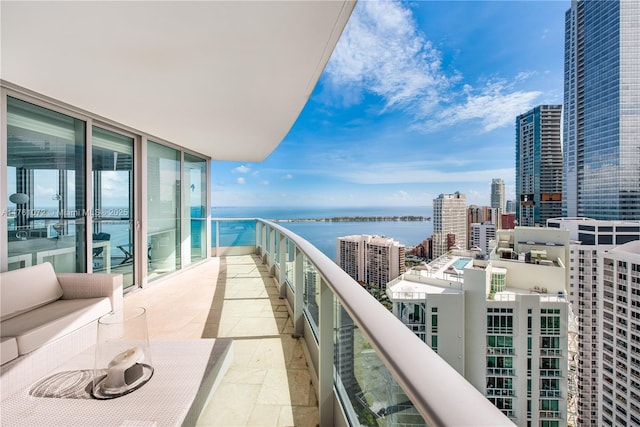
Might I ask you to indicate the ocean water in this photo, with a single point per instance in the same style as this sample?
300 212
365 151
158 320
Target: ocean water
324 235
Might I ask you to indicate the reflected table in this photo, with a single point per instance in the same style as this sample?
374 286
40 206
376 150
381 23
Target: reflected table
37 251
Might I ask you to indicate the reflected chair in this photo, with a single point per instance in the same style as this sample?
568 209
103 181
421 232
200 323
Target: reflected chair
97 237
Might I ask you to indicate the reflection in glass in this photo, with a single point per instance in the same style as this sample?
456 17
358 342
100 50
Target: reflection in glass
365 386
45 186
195 207
112 228
163 215
290 261
311 295
276 247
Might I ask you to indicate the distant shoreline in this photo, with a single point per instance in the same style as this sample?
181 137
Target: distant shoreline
358 219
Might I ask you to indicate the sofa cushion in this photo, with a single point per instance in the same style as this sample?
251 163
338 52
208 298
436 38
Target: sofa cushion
8 349
54 320
27 288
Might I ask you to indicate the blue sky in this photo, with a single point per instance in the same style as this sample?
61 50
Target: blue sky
418 99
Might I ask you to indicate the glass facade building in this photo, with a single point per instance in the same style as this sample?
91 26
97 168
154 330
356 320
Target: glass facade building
538 165
601 105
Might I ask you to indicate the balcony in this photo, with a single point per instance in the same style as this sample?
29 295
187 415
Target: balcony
291 313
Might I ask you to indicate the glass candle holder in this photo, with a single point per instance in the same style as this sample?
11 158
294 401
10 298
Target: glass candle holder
123 357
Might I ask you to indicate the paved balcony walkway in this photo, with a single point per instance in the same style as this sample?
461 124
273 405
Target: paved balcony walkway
268 383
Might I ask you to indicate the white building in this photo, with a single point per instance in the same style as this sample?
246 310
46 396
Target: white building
498 197
371 259
590 239
449 220
502 323
620 336
481 235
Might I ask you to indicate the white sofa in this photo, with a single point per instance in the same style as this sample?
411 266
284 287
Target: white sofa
46 318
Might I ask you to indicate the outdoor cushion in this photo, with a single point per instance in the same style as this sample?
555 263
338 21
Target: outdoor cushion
24 289
41 325
8 349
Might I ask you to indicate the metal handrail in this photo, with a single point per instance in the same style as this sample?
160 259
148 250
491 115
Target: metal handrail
440 394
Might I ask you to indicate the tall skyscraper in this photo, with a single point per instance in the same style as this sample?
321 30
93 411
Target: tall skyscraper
449 218
371 259
590 241
501 322
601 150
538 165
498 197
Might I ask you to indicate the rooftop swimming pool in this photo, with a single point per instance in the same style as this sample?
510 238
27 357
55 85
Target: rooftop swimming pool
461 263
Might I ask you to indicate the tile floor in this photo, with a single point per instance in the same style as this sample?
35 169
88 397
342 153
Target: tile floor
268 383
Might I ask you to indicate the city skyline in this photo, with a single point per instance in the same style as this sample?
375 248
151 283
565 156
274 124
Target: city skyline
416 100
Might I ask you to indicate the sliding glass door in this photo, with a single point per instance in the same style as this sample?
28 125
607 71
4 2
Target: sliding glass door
113 187
74 196
45 187
195 228
163 209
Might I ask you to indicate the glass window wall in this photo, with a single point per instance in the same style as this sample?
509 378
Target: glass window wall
163 209
112 228
195 228
45 180
45 187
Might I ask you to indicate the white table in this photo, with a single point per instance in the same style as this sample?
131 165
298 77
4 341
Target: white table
186 373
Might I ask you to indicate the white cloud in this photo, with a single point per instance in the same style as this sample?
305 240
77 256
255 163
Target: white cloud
382 51
264 182
288 176
404 174
524 75
495 105
241 181
241 169
401 195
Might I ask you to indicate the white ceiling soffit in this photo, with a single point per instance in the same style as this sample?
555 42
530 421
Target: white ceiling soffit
224 78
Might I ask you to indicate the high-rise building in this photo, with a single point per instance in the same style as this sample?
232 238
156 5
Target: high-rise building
498 197
589 241
538 165
601 97
371 259
511 206
502 322
482 234
620 336
449 218
481 215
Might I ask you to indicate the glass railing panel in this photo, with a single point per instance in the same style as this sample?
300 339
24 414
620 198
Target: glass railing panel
364 379
240 232
365 386
311 295
289 263
267 240
276 248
